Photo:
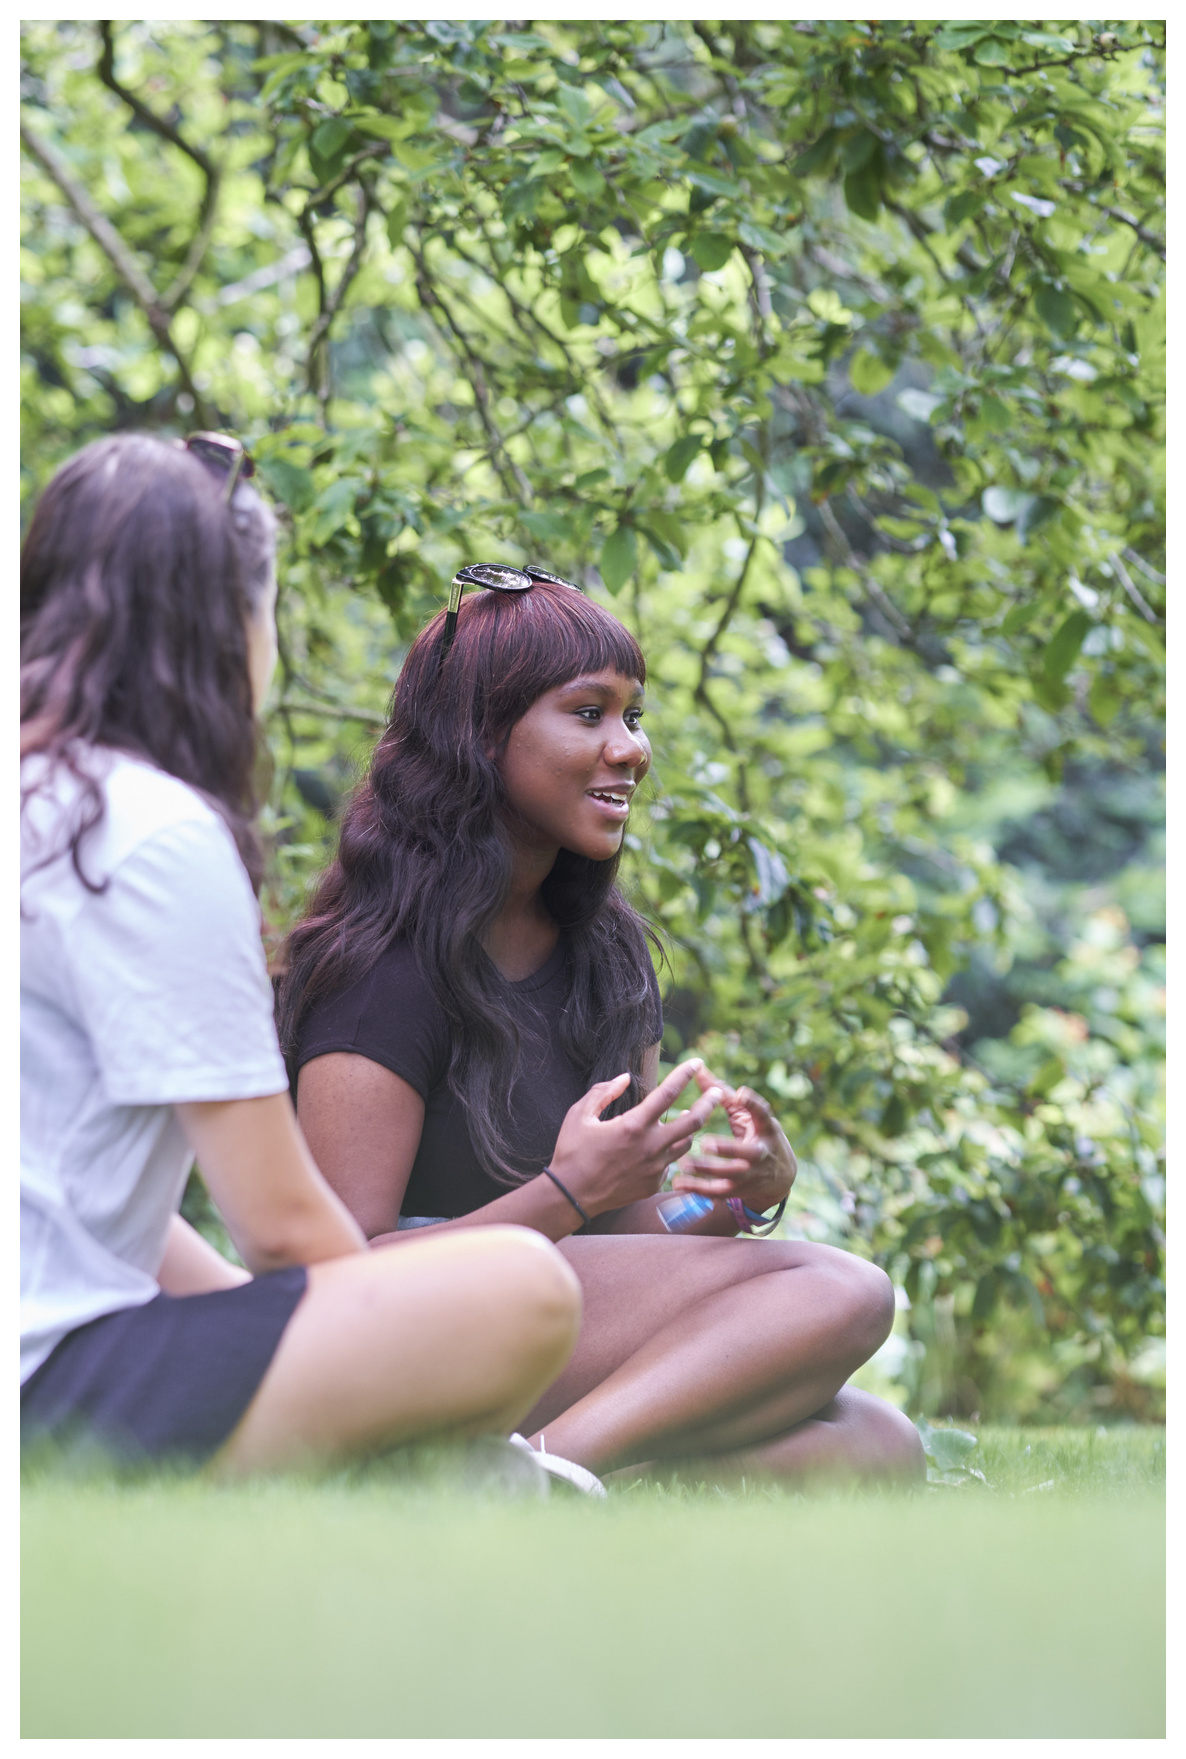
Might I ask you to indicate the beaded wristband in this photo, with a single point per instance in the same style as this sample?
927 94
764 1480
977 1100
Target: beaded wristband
746 1217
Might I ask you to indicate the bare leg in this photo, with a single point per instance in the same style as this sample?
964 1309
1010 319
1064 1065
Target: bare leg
711 1347
451 1336
855 1437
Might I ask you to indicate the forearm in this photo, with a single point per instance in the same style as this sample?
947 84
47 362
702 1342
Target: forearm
537 1204
191 1266
643 1218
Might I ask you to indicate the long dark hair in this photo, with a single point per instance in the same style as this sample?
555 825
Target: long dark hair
424 856
136 584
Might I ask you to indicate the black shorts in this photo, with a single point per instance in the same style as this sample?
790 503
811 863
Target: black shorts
168 1380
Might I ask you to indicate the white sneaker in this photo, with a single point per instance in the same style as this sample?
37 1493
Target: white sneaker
578 1476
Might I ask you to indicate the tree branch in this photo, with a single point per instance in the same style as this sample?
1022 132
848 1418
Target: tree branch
119 256
876 592
318 354
1134 593
170 300
513 479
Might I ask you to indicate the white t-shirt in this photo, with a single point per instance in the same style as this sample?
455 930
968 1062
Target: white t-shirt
149 993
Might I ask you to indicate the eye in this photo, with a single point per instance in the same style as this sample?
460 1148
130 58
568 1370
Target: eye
589 715
633 716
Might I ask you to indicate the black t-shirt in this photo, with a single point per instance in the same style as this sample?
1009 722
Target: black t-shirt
392 1016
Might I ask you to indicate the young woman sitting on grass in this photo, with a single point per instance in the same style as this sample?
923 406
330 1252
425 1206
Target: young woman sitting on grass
473 1022
147 592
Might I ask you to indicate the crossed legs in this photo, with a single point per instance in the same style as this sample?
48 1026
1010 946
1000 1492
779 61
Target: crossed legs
729 1353
452 1336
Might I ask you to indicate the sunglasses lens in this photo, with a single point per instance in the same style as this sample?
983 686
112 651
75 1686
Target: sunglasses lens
496 576
551 579
222 453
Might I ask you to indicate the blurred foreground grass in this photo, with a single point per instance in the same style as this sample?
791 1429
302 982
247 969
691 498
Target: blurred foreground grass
432 1601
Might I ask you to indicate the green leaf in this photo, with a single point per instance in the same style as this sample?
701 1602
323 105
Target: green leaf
619 558
587 179
328 142
711 250
333 507
996 414
993 53
290 483
961 207
1056 309
678 457
869 373
574 103
549 528
858 149
1019 616
820 158
383 127
1062 650
397 220
549 160
862 190
1104 700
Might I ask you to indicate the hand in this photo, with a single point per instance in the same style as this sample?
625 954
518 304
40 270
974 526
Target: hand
756 1163
607 1163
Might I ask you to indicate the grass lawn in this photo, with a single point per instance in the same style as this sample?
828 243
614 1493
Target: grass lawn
384 1605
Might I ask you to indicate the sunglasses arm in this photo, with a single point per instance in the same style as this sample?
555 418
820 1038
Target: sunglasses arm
450 630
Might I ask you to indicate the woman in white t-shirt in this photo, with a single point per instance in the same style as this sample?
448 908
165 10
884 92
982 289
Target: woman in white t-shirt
148 641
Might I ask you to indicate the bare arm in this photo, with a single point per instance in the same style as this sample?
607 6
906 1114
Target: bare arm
364 1123
277 1206
191 1266
363 1126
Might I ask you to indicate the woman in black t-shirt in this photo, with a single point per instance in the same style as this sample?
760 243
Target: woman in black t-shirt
473 1026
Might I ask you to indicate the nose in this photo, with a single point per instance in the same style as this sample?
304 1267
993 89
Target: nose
626 748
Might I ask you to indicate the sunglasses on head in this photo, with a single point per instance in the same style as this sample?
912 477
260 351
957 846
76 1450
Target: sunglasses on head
496 577
222 452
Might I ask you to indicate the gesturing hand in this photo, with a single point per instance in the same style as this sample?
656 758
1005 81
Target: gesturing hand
756 1163
609 1162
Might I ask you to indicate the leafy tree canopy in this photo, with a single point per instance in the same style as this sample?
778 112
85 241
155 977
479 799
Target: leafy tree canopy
833 353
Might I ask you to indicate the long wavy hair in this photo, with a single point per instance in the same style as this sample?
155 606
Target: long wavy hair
137 581
424 856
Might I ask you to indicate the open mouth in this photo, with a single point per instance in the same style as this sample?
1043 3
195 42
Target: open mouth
617 805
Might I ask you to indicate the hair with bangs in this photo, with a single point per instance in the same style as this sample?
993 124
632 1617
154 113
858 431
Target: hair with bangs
424 856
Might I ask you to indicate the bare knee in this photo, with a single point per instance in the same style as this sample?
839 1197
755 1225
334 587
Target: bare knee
537 1293
862 1298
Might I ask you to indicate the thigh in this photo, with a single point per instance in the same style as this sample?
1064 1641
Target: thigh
436 1336
635 1285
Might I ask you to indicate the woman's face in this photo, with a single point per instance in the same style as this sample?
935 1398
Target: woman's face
572 763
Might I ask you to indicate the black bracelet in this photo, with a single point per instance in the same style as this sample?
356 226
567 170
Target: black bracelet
564 1188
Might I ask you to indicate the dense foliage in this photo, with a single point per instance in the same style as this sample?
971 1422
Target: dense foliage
831 352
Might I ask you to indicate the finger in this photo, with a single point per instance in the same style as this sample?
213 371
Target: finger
759 1109
668 1091
603 1093
752 1153
687 1123
707 1187
719 1169
706 1079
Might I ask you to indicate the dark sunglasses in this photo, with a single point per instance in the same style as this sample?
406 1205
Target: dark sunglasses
497 577
222 452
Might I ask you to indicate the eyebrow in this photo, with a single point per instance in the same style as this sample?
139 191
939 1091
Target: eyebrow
593 686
